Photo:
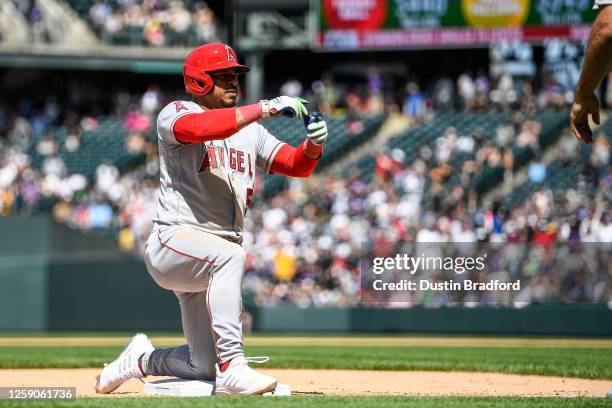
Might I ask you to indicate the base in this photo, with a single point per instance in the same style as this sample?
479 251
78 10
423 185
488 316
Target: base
282 390
177 387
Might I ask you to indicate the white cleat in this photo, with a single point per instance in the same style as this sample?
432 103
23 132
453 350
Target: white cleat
124 367
240 379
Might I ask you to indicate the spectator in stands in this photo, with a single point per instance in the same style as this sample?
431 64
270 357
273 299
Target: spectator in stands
504 134
151 100
291 87
529 135
483 87
527 98
154 33
374 103
415 106
100 11
384 166
73 140
326 94
355 106
466 88
89 123
553 93
444 93
137 122
504 94
205 26
179 21
601 151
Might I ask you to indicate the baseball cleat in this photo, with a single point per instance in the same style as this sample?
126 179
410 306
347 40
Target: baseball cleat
240 379
124 367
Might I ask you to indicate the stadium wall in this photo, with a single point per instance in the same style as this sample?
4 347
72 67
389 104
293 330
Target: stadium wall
62 279
553 320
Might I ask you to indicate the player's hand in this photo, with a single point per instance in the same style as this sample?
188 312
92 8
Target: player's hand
316 128
286 105
579 116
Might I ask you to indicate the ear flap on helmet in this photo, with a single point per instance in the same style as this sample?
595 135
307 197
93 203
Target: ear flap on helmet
197 82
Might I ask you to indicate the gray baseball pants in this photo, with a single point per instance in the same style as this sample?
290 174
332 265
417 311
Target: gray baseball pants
205 273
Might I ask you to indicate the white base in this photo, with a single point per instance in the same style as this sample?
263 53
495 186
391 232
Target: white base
282 390
177 387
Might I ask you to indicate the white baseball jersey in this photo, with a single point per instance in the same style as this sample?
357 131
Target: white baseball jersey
601 3
209 185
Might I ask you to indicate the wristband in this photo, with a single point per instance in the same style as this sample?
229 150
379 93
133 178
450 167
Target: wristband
265 108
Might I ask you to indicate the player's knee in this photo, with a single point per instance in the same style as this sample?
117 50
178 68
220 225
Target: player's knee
236 256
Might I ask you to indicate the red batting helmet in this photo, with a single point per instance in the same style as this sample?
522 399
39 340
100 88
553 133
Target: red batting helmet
204 59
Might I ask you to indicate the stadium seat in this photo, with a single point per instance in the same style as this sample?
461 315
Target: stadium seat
481 123
106 144
559 176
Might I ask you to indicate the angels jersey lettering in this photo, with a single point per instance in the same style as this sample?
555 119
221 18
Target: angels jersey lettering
209 185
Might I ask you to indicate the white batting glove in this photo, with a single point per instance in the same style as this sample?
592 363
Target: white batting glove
286 105
317 131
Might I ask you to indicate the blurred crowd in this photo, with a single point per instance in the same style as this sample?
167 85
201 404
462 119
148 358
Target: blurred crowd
155 22
304 245
307 242
376 94
40 137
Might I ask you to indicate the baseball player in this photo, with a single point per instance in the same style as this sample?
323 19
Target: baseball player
597 63
209 150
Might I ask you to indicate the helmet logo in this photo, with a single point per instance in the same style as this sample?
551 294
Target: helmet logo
230 54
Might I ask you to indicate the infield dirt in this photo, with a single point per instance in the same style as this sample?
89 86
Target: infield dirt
334 381
346 382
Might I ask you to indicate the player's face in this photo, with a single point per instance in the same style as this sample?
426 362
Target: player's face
226 87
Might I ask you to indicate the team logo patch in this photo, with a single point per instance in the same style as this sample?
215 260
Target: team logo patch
179 106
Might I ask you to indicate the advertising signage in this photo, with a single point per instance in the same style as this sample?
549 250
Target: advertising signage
388 24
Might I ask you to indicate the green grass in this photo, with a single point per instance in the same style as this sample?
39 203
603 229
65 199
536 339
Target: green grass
330 402
582 362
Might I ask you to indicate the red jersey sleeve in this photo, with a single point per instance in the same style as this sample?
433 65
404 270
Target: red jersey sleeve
215 124
292 161
206 126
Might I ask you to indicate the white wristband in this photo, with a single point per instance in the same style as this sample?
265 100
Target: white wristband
265 108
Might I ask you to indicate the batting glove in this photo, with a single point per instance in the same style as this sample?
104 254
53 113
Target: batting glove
286 105
316 129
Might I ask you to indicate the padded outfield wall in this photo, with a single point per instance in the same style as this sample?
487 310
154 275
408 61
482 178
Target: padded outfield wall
55 278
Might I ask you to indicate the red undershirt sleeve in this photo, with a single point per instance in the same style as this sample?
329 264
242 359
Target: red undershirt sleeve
292 161
215 124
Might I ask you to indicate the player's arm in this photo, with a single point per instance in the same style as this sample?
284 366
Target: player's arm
220 124
597 63
300 161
